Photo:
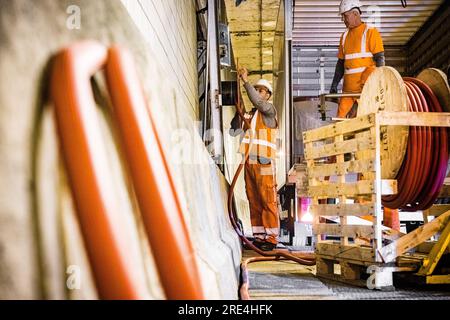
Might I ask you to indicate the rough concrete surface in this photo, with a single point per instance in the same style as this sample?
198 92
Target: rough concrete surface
39 235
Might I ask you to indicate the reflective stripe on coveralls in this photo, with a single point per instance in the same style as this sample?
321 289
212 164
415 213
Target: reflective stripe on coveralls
262 197
264 141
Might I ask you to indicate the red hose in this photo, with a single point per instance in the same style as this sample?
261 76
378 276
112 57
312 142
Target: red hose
243 291
423 171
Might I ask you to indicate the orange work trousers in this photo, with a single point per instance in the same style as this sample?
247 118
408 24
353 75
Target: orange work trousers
353 83
261 189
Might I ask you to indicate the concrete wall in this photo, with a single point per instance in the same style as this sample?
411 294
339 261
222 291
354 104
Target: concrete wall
42 253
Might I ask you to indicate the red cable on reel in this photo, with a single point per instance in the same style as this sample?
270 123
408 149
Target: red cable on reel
423 171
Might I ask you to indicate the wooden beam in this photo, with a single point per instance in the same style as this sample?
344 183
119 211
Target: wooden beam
343 209
352 145
438 279
422 119
437 209
351 231
426 247
341 179
353 252
414 238
343 168
333 190
430 263
312 182
345 127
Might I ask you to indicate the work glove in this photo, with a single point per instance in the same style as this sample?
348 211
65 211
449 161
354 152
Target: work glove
333 90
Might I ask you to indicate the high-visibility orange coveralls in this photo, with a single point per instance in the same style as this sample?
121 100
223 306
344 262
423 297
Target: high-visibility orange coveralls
357 48
260 180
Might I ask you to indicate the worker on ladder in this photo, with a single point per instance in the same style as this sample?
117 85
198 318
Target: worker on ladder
360 51
260 177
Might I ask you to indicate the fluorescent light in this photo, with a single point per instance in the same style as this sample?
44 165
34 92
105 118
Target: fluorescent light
307 217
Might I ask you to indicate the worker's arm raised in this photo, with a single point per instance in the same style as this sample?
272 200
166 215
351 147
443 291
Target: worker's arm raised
264 107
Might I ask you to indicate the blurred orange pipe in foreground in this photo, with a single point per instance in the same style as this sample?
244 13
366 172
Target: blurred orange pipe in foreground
106 239
156 193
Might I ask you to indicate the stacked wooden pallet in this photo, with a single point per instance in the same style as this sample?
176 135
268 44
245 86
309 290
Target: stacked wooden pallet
348 148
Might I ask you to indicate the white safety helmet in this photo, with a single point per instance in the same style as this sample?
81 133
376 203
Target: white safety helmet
347 5
264 83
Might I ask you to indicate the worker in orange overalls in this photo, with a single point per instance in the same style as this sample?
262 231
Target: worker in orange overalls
260 178
360 51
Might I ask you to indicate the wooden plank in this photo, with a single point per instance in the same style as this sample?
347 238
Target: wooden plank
343 209
331 149
426 247
338 278
350 271
422 119
376 198
340 128
361 187
437 209
324 266
341 179
445 192
356 166
352 252
414 238
351 231
311 183
438 279
436 253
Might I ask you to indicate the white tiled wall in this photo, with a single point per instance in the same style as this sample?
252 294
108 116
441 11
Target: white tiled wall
169 27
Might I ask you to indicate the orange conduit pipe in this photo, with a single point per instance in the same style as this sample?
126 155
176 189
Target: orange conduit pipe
105 238
155 189
84 157
301 258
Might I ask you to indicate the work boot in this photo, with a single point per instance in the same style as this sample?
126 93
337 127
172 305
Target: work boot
265 246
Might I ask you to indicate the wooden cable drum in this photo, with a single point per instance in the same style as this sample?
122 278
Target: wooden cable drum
385 91
417 157
437 81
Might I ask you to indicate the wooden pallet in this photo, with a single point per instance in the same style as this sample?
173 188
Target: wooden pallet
341 263
341 270
354 148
